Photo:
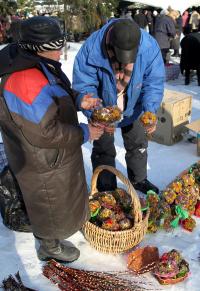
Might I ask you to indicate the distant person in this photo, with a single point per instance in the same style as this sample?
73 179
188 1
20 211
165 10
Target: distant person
1 33
128 15
175 43
154 16
140 19
185 22
149 20
190 56
164 32
14 29
194 21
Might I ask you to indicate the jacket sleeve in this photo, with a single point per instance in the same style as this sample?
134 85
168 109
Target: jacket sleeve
35 111
153 82
85 79
51 133
170 27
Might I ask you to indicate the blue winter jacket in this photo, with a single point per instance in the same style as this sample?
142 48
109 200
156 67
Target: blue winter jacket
93 73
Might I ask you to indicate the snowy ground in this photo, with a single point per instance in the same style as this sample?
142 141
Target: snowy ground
17 250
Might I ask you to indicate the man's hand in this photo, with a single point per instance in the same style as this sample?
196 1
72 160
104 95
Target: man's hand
109 129
88 102
150 129
96 124
106 128
149 121
95 132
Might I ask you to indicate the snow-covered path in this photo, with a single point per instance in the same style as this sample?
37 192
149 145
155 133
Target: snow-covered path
17 250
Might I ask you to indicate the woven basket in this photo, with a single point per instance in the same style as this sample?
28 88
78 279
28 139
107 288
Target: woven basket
114 242
169 281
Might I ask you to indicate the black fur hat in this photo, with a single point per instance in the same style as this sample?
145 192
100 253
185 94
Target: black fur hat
41 33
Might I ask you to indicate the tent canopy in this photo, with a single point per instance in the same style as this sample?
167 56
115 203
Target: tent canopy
164 4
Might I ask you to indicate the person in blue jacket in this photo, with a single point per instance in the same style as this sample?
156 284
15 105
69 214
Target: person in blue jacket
122 64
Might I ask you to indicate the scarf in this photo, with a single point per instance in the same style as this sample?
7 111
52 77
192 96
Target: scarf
122 73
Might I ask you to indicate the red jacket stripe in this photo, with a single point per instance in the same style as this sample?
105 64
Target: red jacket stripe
27 84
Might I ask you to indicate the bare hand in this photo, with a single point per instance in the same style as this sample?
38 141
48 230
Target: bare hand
95 132
88 102
97 124
109 129
151 129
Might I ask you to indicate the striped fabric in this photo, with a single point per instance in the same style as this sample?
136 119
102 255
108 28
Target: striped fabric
53 45
122 71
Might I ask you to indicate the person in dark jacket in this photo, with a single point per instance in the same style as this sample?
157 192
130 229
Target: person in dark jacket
175 43
150 21
140 19
190 56
164 31
122 65
42 136
185 22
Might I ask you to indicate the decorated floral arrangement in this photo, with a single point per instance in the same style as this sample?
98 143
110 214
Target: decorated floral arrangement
172 268
112 210
177 202
148 119
107 115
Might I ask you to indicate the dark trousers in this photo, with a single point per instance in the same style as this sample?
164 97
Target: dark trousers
135 143
164 53
187 76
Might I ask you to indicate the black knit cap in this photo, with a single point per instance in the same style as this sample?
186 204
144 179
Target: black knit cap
41 33
125 39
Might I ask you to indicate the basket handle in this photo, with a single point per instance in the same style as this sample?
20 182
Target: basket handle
131 190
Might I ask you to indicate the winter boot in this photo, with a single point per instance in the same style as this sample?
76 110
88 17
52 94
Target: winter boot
198 77
187 77
54 249
187 80
144 186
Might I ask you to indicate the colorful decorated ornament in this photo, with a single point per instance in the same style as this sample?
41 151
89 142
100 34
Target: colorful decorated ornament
176 186
169 195
125 224
197 209
148 119
110 224
188 224
188 180
94 207
181 214
172 268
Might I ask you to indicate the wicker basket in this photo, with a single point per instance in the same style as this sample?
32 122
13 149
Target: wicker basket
169 281
116 241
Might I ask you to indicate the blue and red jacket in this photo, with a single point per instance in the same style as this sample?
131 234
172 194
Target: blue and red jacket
31 92
42 139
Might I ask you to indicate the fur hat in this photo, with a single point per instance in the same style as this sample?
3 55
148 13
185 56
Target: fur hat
41 33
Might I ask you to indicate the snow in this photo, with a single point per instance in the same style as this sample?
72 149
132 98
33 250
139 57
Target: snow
17 250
